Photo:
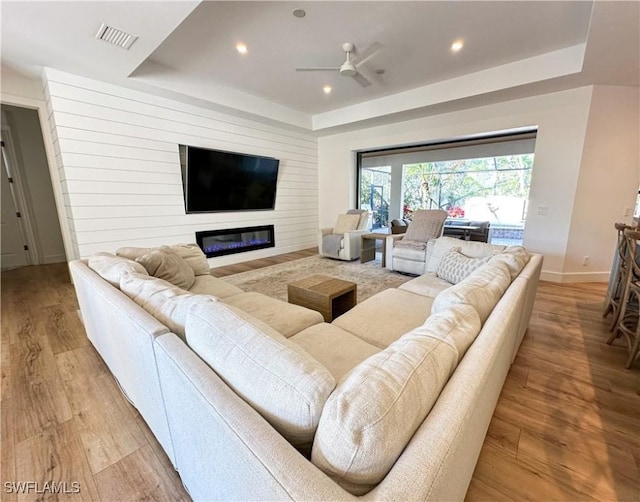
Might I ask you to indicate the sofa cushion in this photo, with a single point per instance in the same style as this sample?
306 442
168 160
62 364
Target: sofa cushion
469 248
209 285
168 266
405 245
336 349
384 317
286 318
276 377
426 285
346 223
373 413
191 253
167 303
482 290
455 266
514 257
111 268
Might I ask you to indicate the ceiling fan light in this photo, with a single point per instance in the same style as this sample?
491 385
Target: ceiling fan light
348 70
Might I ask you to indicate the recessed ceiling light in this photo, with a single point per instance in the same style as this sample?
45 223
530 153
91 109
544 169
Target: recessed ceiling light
299 13
241 48
327 89
457 45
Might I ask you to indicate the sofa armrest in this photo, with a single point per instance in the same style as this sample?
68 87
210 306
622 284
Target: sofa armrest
352 243
388 243
321 233
222 443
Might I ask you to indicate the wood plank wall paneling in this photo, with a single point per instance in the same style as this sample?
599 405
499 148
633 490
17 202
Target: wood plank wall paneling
118 161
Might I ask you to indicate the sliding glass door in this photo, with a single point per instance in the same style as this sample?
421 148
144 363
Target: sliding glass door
480 181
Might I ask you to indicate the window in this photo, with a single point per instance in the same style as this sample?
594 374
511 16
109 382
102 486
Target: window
482 180
375 191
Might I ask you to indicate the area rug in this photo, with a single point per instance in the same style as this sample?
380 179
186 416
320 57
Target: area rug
272 281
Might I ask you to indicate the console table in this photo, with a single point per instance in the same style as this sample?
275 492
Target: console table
330 296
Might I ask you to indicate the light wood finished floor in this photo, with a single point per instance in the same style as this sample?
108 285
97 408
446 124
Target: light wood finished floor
566 427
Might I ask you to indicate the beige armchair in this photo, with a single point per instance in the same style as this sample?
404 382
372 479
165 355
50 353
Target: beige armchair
342 241
408 252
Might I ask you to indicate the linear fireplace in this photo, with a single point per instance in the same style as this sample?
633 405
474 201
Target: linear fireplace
235 240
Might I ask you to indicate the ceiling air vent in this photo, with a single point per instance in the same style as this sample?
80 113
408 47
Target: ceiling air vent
115 36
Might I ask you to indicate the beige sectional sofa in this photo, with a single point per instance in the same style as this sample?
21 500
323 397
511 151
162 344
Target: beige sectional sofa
253 398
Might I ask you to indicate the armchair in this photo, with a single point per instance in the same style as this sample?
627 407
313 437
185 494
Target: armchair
340 241
408 253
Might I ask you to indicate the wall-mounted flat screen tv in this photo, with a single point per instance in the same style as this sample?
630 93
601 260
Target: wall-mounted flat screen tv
216 180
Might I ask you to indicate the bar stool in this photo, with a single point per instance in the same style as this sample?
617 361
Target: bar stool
620 272
627 324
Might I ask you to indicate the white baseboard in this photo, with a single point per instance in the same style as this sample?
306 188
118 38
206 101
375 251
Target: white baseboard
53 258
572 277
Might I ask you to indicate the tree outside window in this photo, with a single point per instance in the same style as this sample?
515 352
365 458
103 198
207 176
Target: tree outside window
492 188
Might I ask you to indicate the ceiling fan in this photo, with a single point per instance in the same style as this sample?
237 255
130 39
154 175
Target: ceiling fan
350 67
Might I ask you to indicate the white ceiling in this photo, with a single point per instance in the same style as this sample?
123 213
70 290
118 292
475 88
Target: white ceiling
187 50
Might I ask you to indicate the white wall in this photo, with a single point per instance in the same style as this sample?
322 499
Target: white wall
27 137
562 120
608 182
117 154
16 84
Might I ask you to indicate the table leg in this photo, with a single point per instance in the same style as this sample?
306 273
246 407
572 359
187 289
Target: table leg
367 249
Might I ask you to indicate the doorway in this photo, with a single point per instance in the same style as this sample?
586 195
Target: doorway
30 226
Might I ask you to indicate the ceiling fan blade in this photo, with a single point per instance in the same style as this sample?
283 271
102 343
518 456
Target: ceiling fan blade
367 54
361 79
327 68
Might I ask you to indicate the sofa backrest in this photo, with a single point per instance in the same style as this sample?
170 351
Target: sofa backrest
111 267
437 248
426 224
482 290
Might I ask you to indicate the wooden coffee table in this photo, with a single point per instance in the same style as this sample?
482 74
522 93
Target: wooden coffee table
330 296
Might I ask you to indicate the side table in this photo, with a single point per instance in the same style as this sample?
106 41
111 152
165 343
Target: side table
330 296
368 247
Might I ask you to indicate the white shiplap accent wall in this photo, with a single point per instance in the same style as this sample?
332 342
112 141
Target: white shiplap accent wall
117 155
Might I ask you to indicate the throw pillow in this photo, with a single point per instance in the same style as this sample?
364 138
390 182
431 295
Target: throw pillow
375 410
456 266
364 217
164 301
346 223
275 376
111 268
193 255
168 266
